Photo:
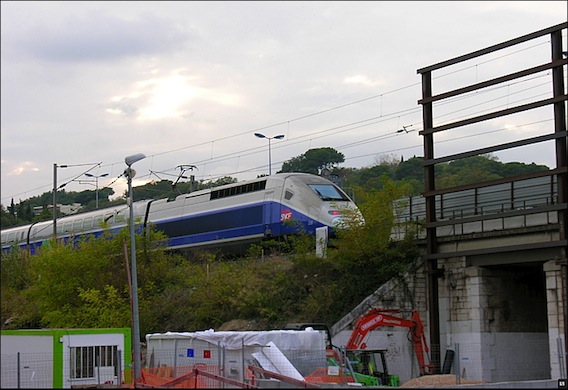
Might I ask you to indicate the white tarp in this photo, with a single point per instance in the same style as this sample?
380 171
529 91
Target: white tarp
272 359
285 339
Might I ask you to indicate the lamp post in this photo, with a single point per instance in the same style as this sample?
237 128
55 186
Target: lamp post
55 166
260 135
96 186
129 173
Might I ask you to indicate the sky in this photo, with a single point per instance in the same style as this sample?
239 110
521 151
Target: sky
86 84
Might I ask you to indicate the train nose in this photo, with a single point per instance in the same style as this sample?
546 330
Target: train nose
337 221
340 219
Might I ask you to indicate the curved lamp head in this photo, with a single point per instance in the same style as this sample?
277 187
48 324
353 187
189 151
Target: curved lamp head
279 136
95 176
129 160
259 135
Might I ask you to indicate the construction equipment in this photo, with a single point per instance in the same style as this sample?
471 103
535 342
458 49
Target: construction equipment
368 367
375 318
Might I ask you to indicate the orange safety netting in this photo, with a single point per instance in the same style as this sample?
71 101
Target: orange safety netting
321 375
198 376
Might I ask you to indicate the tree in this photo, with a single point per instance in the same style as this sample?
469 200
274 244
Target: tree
313 161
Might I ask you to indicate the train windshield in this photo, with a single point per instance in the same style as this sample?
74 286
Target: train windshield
328 192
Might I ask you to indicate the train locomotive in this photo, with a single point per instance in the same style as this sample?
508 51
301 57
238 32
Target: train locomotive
226 216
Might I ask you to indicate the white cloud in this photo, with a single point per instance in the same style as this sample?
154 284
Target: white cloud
362 80
26 166
167 97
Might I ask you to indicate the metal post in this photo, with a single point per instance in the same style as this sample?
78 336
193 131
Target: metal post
99 367
561 146
135 315
97 192
96 186
54 201
260 135
129 172
18 364
269 158
119 368
458 368
175 358
431 239
243 377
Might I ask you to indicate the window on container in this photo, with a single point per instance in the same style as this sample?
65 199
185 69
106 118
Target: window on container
86 360
82 362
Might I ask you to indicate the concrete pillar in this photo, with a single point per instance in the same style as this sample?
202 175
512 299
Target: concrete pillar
555 314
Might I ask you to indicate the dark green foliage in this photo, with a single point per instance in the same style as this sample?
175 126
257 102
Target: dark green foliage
454 173
313 161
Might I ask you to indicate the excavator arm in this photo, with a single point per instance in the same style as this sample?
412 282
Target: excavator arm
375 318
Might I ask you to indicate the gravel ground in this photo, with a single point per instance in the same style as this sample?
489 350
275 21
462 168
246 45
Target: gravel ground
437 381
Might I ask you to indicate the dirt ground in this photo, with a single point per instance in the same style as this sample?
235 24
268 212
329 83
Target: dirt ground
437 381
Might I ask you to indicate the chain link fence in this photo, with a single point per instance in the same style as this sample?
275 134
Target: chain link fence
463 363
51 370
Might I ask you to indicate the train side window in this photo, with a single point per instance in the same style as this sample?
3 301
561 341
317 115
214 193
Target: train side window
67 227
78 225
59 228
288 195
109 218
98 221
88 223
11 237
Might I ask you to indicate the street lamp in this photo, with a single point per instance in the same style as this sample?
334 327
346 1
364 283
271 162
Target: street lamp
260 135
129 173
96 186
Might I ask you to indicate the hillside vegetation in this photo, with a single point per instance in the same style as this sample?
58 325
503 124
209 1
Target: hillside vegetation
275 283
469 170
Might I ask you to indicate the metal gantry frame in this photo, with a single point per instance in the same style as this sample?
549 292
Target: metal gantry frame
557 65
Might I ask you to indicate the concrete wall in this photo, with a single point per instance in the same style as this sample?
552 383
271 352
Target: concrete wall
505 323
496 318
555 315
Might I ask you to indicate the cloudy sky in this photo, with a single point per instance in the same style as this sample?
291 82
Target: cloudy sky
189 83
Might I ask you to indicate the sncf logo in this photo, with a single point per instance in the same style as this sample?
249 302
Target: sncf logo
286 215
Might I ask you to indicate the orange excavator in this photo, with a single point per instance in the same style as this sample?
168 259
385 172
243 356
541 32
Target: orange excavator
362 364
375 318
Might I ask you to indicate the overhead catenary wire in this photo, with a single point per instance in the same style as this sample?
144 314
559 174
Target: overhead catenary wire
336 129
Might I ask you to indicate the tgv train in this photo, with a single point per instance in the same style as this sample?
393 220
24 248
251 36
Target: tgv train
230 215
